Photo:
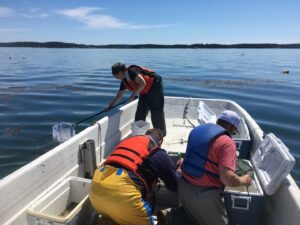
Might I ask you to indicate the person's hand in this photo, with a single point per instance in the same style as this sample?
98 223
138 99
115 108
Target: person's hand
107 108
132 98
178 164
246 180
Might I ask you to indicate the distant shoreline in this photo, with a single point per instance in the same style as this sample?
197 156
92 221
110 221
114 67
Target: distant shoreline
142 46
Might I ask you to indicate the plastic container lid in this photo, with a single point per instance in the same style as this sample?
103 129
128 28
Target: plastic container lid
205 114
272 162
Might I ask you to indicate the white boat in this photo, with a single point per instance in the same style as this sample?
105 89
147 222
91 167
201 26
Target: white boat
22 189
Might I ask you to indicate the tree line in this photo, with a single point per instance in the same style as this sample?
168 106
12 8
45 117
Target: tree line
54 44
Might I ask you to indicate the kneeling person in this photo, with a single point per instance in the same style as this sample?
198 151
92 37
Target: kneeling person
121 185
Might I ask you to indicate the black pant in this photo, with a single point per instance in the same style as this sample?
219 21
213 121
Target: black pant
153 101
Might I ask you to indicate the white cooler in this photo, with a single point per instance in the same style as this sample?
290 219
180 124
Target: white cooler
272 163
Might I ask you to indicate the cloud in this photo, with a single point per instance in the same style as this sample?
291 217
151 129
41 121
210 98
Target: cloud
151 26
79 13
34 13
31 13
6 12
12 30
91 17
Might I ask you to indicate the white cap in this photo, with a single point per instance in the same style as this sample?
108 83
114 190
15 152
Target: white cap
231 117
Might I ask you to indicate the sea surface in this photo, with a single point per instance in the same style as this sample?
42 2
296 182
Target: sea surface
40 87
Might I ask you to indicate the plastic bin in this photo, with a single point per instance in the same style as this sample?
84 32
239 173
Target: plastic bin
244 205
205 114
242 140
139 127
67 204
273 162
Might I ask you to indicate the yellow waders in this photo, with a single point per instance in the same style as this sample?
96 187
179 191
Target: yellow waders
113 194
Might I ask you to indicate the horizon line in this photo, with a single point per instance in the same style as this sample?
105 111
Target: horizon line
60 44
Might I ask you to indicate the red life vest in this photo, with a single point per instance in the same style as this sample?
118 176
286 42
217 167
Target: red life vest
147 75
131 153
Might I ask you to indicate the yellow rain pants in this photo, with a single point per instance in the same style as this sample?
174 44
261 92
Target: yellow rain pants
114 195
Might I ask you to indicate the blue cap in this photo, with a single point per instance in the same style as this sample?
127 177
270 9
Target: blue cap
231 117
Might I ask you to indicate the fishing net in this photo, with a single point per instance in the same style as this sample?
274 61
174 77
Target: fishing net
62 131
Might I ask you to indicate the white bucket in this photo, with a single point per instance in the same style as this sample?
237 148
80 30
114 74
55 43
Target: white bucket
139 127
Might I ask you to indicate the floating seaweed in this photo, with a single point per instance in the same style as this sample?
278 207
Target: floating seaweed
11 131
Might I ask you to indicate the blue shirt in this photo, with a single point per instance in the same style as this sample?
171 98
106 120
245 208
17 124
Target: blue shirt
161 164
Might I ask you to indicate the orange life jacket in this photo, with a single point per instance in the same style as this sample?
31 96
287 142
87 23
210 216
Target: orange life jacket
147 75
131 153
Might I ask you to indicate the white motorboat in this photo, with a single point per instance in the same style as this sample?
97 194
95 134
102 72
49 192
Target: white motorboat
24 189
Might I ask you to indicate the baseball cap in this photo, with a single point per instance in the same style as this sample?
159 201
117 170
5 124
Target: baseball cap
231 117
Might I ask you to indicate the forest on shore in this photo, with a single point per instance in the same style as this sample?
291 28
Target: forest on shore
55 44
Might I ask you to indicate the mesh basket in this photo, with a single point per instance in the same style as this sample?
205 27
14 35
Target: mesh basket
243 167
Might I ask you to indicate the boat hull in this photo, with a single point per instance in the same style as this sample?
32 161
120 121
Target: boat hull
19 190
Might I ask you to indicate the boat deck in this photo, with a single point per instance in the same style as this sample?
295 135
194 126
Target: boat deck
177 134
43 175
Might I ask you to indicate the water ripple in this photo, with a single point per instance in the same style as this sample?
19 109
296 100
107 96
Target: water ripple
41 87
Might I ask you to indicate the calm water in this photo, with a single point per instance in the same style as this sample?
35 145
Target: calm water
40 87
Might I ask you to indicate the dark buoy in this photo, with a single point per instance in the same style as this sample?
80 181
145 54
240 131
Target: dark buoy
286 71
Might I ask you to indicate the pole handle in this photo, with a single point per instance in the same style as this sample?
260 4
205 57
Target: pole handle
103 111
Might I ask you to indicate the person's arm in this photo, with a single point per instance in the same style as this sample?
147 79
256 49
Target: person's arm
114 101
165 169
227 163
229 178
141 84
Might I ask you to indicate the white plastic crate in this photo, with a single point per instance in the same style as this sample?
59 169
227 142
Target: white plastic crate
273 162
66 204
205 114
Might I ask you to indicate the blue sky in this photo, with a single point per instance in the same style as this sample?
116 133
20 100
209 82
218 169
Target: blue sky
152 21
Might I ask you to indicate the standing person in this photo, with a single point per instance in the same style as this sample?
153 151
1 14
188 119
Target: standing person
209 164
121 185
148 85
